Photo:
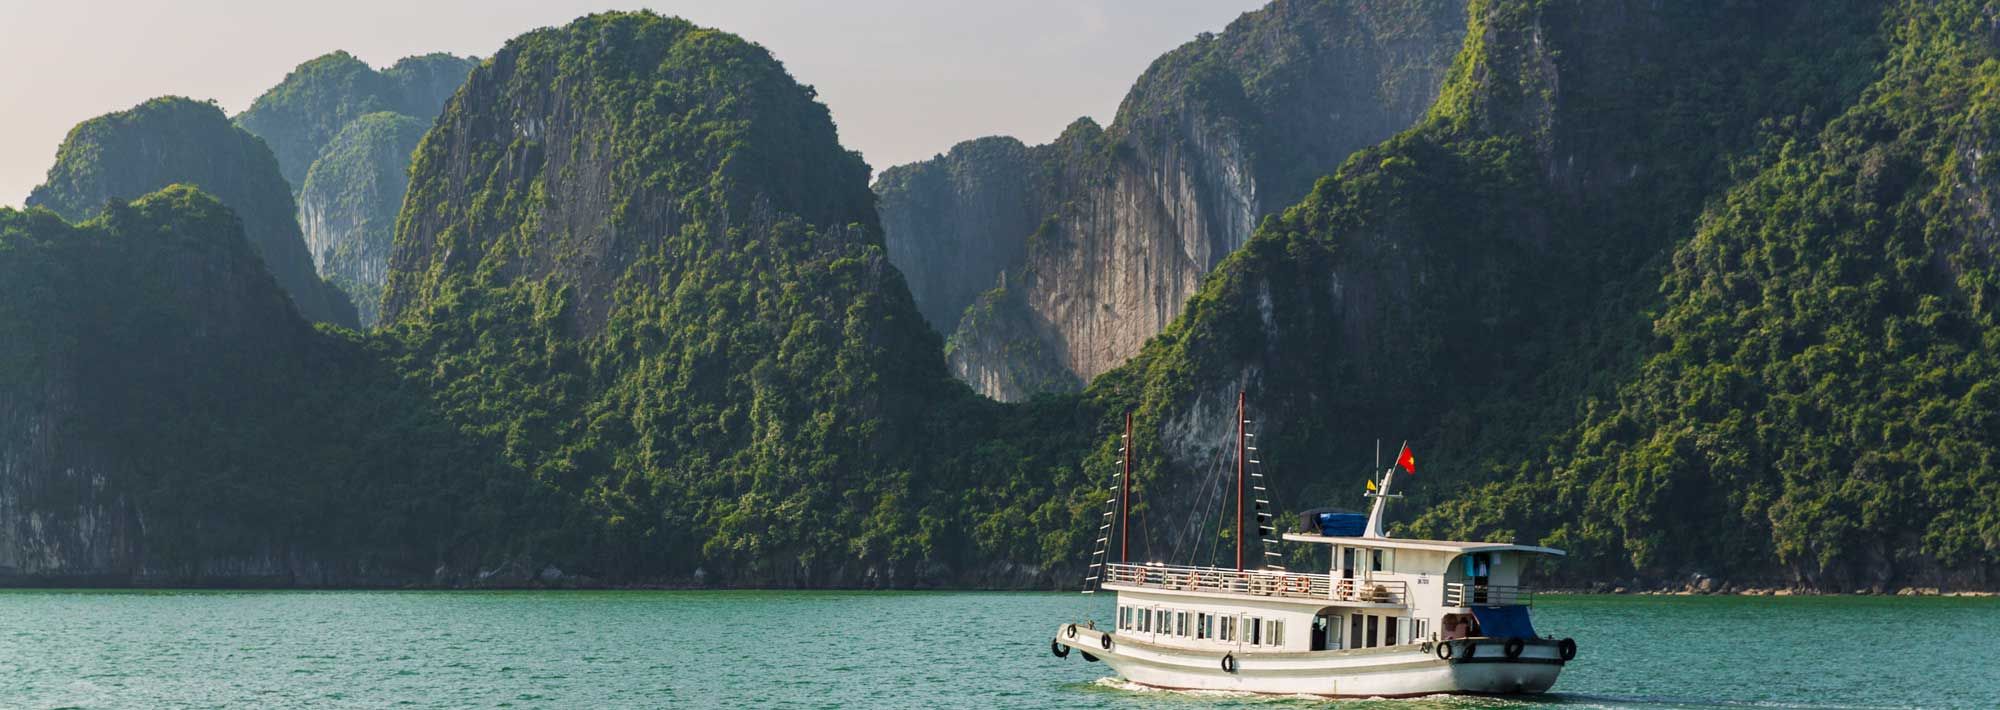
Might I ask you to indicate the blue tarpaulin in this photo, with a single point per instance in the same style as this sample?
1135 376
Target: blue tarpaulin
1504 621
1334 523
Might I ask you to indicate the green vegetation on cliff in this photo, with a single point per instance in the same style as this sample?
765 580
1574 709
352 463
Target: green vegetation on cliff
1690 228
348 204
171 417
302 114
668 305
343 134
1821 389
122 156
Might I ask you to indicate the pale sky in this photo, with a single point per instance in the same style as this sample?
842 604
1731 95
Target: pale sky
905 79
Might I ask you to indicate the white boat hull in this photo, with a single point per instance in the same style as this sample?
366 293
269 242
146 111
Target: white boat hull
1395 671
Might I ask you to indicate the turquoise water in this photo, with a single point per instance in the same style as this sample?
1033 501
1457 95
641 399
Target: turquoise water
914 650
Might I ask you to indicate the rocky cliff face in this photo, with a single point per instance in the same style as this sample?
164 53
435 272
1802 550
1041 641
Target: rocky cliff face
343 133
347 207
1216 135
954 223
658 226
124 155
115 325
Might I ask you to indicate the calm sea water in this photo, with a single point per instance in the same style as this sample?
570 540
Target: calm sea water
916 650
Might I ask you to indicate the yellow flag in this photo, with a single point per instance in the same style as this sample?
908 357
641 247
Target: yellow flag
1371 485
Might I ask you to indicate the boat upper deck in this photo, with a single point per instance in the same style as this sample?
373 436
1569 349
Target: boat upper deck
1392 543
1319 588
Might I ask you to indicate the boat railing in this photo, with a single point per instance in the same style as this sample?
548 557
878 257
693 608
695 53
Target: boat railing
1460 594
1269 583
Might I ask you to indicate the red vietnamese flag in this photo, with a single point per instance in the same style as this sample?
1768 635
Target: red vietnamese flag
1407 460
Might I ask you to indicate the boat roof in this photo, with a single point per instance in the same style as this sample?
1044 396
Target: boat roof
1430 545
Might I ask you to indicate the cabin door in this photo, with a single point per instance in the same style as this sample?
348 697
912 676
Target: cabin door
1480 575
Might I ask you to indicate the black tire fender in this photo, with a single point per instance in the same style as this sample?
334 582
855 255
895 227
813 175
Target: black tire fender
1469 648
1229 663
1087 656
1105 641
1566 649
1072 631
1059 650
1444 650
1515 646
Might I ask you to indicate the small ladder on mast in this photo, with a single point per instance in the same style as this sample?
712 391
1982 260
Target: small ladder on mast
1117 505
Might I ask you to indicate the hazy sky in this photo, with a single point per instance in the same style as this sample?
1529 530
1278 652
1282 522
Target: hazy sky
905 79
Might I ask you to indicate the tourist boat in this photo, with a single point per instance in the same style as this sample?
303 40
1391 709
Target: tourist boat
1391 617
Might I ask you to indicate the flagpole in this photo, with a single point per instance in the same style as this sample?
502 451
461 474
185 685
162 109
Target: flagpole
1381 495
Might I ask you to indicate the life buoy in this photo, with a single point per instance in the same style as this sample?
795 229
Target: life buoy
1567 649
1229 663
1297 585
1072 630
1515 646
1056 647
1104 641
1444 651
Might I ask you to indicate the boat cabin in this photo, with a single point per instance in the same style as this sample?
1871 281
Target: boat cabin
1377 592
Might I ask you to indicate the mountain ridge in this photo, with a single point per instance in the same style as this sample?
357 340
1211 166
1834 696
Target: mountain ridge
1124 220
128 154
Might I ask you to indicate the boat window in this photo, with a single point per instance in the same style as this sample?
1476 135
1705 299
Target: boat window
1389 626
1354 632
1276 634
1423 629
1228 629
1201 626
1163 622
1123 613
1145 620
1255 630
1374 627
1382 560
1180 623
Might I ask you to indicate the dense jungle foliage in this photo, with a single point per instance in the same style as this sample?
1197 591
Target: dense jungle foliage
668 306
1686 288
155 349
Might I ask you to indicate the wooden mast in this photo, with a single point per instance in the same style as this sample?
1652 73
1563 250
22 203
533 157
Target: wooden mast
1125 498
1239 480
